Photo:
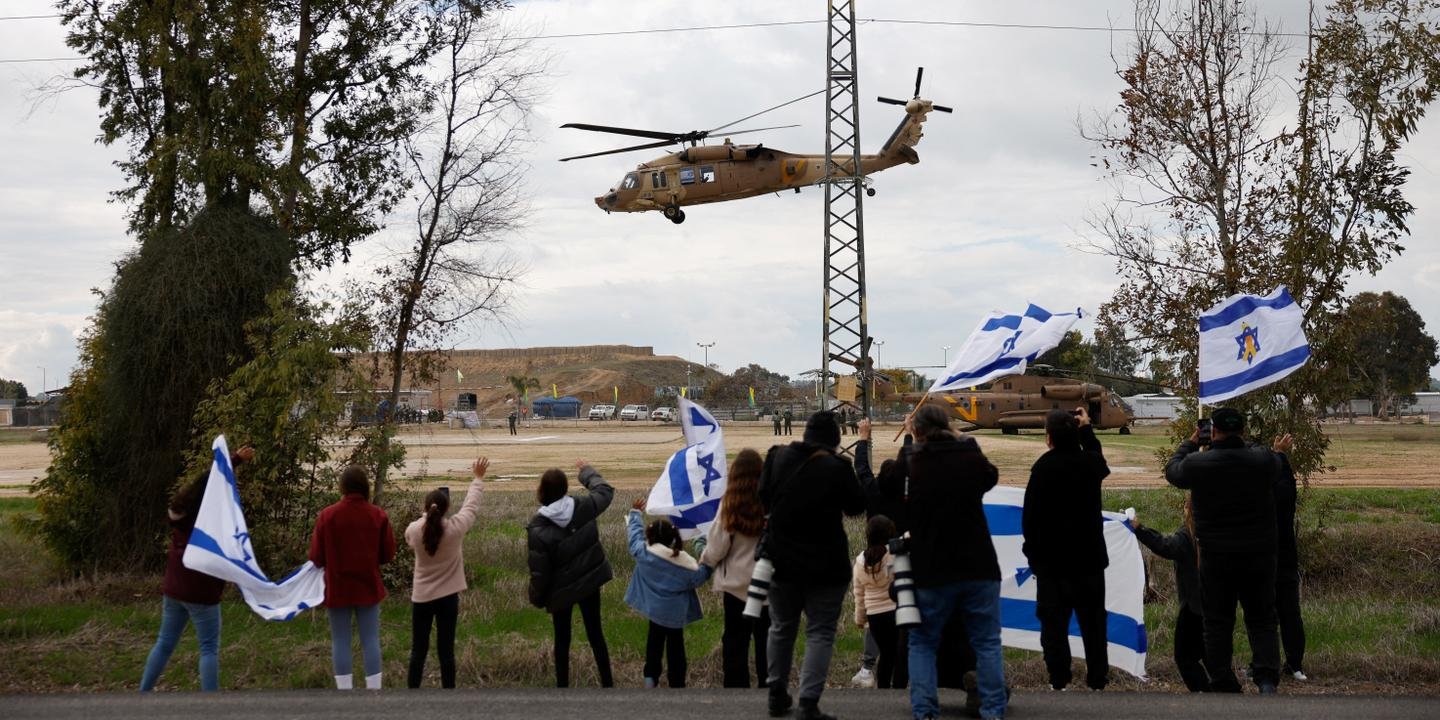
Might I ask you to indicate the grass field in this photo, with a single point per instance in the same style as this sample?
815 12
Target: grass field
1372 610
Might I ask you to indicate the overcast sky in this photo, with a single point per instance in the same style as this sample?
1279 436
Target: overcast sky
988 219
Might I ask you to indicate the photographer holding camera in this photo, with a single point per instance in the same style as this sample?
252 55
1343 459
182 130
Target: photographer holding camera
806 488
954 565
1232 496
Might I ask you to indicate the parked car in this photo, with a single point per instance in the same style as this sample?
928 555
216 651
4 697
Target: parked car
602 412
635 412
663 414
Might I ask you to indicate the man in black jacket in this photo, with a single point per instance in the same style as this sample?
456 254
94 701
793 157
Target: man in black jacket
1065 544
806 488
1287 565
952 560
1232 494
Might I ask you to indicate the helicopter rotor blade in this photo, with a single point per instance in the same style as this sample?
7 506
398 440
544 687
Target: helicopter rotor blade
942 108
646 146
762 112
891 101
654 134
919 73
773 127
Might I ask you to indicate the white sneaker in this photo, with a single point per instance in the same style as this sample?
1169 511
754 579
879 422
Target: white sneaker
1299 676
863 679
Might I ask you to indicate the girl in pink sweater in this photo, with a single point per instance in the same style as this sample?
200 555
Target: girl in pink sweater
873 606
440 575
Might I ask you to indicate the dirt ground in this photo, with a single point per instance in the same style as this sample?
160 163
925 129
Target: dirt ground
631 454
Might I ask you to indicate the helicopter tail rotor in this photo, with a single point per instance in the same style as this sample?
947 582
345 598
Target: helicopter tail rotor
919 75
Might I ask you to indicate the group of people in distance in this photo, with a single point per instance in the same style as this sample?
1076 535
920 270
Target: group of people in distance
789 507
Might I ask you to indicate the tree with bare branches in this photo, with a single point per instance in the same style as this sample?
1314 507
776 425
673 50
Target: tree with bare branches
467 166
1217 192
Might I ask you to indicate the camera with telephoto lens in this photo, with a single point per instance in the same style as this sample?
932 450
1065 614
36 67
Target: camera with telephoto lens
906 614
759 591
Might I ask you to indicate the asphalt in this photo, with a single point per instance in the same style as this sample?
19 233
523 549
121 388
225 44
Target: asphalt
691 704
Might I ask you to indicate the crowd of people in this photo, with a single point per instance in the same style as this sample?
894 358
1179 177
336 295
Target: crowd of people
925 505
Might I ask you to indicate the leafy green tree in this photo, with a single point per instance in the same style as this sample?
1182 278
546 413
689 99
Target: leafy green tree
172 323
1074 353
291 401
1390 354
13 390
1218 194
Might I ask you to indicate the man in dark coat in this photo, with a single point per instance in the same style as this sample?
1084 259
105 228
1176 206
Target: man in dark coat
1232 492
952 559
807 488
1287 565
568 564
1065 545
789 418
775 420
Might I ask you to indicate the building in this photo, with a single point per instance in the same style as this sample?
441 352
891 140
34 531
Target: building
1154 407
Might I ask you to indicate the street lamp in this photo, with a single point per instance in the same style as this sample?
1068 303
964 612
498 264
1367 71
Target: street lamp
707 347
878 344
44 379
945 361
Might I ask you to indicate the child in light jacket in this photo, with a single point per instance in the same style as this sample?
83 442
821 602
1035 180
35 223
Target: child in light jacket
662 588
873 606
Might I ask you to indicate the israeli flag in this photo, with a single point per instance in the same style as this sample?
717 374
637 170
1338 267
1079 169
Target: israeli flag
220 547
1247 342
690 488
1003 345
1124 585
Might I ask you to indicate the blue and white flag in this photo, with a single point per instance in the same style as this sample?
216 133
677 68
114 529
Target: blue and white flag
1124 585
690 488
1247 342
220 547
1003 345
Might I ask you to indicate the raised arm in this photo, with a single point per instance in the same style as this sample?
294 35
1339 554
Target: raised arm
464 518
635 533
1175 469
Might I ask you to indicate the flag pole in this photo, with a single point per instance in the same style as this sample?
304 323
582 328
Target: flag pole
901 431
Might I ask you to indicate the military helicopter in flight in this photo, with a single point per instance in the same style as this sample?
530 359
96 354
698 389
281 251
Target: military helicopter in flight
1017 402
716 173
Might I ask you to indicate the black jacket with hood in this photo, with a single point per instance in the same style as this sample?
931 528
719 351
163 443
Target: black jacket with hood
806 489
567 562
1179 548
1064 530
949 537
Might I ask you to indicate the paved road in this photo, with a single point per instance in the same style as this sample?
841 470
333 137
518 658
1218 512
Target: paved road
689 705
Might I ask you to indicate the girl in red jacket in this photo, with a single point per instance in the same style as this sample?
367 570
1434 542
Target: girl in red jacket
352 540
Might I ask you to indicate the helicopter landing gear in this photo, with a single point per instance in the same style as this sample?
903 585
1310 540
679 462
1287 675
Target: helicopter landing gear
1124 429
1008 430
674 213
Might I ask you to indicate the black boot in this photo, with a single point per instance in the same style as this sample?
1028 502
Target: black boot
780 700
810 710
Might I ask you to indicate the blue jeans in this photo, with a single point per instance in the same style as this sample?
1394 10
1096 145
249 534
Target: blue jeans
174 614
978 602
367 618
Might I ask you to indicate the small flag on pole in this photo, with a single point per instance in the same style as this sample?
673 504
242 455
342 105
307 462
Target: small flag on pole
459 378
1248 342
752 397
554 391
684 391
617 394
693 481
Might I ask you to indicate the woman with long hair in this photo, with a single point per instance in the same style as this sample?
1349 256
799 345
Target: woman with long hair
730 549
567 563
1180 548
440 575
189 596
352 540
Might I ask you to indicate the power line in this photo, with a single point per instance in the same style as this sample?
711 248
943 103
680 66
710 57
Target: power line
29 17
748 26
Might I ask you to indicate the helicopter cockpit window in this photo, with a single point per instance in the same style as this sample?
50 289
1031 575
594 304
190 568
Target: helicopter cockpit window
657 180
631 182
707 173
687 176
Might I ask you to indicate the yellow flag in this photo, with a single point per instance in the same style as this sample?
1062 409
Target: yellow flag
683 391
752 397
458 376
554 391
617 394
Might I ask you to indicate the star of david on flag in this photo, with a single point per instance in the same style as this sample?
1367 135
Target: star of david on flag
220 547
1003 344
690 487
1248 342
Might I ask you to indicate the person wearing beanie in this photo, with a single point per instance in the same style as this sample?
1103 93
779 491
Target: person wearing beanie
807 488
1232 498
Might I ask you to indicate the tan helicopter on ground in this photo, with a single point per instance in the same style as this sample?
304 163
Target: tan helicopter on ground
1017 402
716 173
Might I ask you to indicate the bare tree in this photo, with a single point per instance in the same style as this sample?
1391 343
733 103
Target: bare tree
1217 193
468 169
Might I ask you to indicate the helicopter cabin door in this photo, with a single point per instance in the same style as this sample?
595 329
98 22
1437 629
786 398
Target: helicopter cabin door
659 186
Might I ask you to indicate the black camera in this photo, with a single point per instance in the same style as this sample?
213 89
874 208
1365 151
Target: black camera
445 490
1203 427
